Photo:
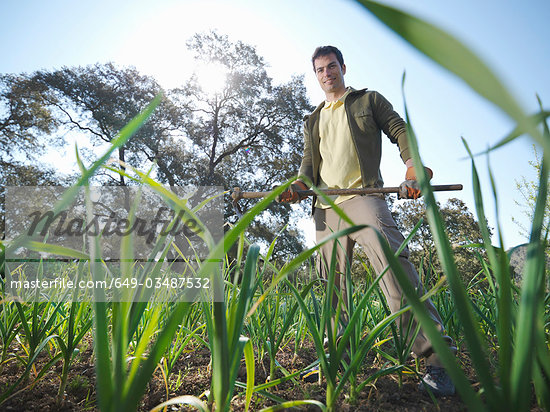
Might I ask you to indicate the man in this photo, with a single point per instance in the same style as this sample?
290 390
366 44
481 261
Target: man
342 149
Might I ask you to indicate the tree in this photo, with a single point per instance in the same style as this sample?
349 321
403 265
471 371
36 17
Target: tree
27 125
21 174
529 191
249 123
99 100
462 231
25 118
247 134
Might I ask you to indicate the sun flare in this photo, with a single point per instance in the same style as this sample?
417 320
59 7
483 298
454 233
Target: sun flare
211 77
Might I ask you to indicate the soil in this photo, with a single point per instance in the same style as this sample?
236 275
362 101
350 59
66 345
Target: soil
191 376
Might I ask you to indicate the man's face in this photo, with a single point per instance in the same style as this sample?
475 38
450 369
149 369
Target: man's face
330 74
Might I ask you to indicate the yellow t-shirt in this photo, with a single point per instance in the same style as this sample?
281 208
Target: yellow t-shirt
339 167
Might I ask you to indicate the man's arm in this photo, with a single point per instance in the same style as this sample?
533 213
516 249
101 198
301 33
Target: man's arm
391 124
396 129
306 167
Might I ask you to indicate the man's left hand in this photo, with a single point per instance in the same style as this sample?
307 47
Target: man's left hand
410 189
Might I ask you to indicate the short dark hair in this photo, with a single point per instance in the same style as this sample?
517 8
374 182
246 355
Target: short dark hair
325 51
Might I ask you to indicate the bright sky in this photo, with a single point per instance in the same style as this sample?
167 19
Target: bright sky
512 36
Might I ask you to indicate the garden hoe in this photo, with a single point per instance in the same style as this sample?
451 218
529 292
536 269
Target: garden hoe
238 194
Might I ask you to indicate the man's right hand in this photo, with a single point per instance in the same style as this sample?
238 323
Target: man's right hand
291 194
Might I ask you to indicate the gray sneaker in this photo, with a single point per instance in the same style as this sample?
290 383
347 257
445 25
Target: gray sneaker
438 381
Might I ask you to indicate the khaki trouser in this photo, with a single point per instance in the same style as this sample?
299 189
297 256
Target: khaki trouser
373 211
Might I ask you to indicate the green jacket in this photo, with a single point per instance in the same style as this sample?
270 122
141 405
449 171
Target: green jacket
369 113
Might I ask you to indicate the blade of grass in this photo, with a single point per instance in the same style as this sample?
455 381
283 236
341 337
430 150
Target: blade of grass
501 271
298 260
462 303
250 372
57 250
293 404
7 392
452 55
137 387
536 118
522 362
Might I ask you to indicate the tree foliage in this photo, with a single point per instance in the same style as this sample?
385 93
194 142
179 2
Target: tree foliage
25 118
247 134
27 130
528 190
462 230
99 100
250 131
